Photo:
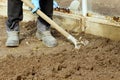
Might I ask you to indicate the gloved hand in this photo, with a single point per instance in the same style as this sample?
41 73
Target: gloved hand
55 4
36 4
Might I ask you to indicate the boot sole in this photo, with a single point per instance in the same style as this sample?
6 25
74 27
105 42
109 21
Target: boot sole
38 36
12 45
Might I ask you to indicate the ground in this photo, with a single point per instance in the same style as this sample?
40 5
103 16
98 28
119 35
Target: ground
99 60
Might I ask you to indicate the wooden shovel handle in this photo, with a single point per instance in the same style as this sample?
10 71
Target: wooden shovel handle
46 18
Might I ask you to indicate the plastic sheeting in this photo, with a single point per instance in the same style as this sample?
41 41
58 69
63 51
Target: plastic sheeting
105 7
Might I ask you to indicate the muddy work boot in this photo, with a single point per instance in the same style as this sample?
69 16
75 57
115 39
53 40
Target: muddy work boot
46 38
43 33
12 39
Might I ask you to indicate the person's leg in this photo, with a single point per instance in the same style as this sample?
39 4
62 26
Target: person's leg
43 28
15 14
47 8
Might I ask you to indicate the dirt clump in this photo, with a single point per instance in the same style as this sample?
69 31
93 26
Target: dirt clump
99 60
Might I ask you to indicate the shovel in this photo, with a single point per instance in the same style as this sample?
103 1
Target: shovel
76 43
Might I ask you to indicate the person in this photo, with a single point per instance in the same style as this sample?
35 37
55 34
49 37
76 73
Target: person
15 15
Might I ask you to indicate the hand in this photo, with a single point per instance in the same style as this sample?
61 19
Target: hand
36 5
55 4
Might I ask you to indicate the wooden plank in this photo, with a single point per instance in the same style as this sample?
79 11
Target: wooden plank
95 25
102 21
69 22
103 30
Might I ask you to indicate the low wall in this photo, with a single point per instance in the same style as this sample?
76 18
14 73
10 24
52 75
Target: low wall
103 28
95 25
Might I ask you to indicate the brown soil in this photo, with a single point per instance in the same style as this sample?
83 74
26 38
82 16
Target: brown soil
99 60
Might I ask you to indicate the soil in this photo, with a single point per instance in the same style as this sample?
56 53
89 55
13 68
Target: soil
99 60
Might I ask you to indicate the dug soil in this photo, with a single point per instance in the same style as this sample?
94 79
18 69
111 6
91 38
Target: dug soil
99 60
